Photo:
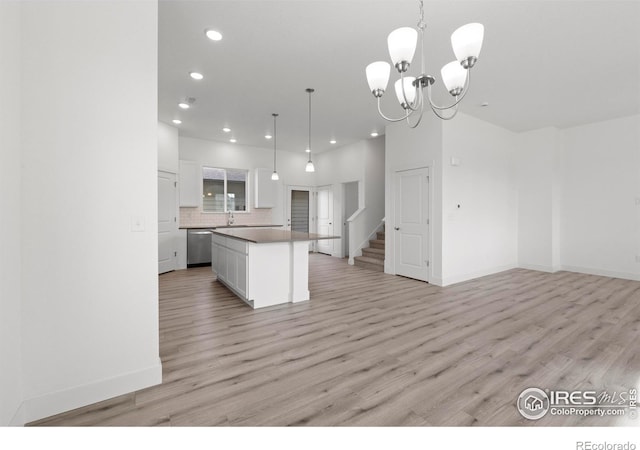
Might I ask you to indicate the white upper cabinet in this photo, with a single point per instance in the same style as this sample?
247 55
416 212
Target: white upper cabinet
265 189
190 183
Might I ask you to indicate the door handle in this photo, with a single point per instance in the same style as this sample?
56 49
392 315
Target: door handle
396 228
330 223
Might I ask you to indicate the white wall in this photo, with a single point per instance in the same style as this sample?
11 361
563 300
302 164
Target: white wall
407 148
601 198
10 233
539 183
90 143
290 168
168 153
479 236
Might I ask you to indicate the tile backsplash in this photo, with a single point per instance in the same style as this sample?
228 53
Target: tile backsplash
193 217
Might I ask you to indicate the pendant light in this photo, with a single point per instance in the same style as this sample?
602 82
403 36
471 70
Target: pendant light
310 167
274 175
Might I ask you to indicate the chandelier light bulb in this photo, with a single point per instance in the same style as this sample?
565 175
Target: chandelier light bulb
402 46
454 77
378 76
409 91
467 42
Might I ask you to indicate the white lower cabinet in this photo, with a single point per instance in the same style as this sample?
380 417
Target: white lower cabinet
229 260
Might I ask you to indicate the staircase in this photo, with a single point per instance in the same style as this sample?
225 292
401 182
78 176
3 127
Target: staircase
372 257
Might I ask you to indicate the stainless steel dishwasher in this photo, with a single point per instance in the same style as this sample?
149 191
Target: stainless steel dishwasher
198 247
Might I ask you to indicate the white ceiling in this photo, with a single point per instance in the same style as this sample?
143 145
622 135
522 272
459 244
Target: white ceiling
543 63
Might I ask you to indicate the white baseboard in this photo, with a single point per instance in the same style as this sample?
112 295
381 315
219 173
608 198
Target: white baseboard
76 397
447 281
539 268
602 272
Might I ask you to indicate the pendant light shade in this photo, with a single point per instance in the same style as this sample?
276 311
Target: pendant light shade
378 75
309 167
274 175
409 90
467 41
454 77
402 45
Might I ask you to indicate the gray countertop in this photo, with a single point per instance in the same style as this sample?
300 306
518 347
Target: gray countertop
214 227
267 236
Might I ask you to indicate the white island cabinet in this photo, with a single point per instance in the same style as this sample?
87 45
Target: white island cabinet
264 267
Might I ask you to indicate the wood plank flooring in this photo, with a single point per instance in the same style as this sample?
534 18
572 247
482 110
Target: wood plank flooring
378 350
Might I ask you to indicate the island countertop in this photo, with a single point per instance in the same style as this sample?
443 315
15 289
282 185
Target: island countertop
265 236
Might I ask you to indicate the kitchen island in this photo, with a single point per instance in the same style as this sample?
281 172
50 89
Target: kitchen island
264 267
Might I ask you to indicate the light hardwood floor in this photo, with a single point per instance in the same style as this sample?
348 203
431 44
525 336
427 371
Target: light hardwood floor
375 349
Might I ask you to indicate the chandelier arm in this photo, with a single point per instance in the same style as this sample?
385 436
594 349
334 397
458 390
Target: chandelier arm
417 122
437 113
458 98
388 118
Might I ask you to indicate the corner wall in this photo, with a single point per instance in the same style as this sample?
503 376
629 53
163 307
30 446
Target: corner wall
90 143
601 198
10 230
479 200
539 179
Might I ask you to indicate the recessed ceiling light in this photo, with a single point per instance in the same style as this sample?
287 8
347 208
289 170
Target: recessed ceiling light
183 105
177 121
232 140
483 104
196 75
267 136
226 130
374 134
213 35
332 141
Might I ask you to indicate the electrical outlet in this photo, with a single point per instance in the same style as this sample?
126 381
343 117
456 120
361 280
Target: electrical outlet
637 201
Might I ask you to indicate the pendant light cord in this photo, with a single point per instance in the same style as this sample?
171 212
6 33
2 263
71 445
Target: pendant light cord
275 134
310 91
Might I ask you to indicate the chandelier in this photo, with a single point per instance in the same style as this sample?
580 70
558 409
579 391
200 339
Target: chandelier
466 42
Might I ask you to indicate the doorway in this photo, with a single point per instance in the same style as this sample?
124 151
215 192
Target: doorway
299 207
411 225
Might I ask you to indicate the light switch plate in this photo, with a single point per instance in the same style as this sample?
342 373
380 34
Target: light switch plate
137 223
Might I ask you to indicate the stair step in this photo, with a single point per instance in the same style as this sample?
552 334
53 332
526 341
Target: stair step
376 253
369 263
380 235
376 243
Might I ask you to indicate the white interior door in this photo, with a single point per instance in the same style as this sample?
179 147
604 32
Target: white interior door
167 222
324 205
411 227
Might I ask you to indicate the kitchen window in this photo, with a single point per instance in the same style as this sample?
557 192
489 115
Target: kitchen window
224 190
